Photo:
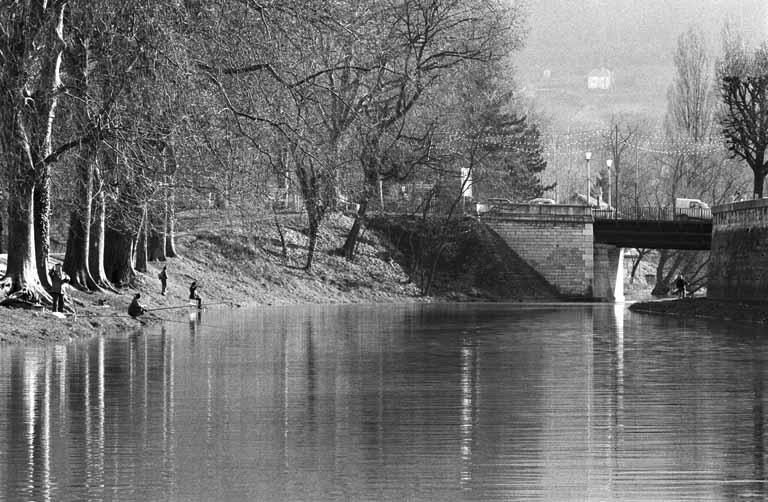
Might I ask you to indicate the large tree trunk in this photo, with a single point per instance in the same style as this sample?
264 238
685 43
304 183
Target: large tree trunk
76 258
97 235
348 249
313 230
42 218
124 225
661 288
31 49
759 183
172 167
47 96
170 223
141 242
118 259
156 244
369 188
314 194
156 233
21 272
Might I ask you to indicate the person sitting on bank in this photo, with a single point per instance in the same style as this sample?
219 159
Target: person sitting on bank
135 309
58 279
680 284
193 294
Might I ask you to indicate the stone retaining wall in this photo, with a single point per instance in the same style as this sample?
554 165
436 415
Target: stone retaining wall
738 268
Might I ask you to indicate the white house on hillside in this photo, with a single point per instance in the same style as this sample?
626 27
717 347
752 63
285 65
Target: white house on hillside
601 78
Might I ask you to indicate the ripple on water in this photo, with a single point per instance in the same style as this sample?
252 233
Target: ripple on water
413 402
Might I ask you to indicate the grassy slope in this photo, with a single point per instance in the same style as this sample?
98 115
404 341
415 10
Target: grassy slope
231 266
242 266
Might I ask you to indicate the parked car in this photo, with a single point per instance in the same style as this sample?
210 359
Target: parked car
484 207
692 209
542 200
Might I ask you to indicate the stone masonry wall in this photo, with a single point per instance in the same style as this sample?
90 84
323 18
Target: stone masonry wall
738 267
555 240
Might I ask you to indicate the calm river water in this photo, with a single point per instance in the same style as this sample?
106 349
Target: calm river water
412 402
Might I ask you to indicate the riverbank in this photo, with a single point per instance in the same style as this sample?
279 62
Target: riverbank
259 261
706 308
232 267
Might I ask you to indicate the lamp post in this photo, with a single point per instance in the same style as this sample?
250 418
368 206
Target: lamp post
609 163
588 156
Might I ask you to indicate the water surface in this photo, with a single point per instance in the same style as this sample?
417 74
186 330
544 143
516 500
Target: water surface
412 402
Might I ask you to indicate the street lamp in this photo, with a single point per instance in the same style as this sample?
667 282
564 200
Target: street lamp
588 156
609 163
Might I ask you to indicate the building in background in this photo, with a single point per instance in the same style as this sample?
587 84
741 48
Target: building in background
601 78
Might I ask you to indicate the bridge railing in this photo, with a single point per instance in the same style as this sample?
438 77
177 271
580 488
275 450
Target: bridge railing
653 214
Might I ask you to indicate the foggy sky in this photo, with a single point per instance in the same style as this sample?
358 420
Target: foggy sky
574 35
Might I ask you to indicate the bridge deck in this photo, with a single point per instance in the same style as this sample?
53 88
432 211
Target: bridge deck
634 227
654 234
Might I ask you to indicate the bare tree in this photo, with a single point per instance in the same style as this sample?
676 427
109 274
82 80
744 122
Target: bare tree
427 40
31 45
743 83
694 169
623 132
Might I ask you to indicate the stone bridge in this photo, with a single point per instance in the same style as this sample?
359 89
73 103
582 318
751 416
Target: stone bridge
581 251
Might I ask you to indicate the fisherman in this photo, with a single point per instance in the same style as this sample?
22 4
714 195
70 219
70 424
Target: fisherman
680 284
193 294
135 309
163 276
58 279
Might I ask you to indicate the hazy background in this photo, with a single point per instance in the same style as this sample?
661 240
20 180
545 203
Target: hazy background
633 38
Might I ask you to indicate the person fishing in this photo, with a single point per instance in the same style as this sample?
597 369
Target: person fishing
135 309
680 284
163 276
193 294
58 279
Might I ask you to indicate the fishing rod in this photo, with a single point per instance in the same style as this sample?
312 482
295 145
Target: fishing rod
116 314
186 306
192 322
93 316
159 318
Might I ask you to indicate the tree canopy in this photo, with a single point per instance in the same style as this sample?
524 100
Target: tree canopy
113 116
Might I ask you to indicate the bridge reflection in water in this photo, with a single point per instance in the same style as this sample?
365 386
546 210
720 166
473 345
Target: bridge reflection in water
418 402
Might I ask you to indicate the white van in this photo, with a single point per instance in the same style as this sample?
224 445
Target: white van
694 209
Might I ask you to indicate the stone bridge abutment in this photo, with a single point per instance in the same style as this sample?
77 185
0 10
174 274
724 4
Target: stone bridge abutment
558 241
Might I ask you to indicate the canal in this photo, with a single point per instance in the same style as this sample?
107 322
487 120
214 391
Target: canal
406 402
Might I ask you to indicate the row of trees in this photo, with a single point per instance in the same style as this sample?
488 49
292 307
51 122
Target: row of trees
111 111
